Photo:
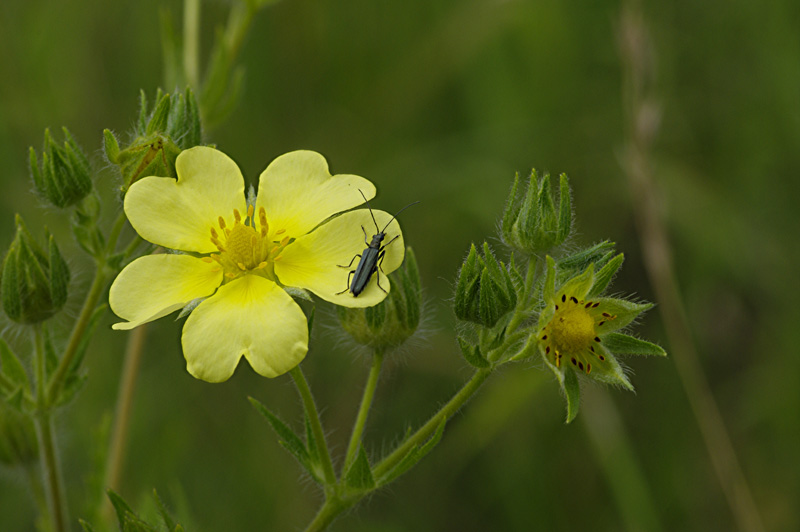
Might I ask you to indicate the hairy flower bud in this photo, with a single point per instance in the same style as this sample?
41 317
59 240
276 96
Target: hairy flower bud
484 292
172 125
64 177
34 280
531 224
390 323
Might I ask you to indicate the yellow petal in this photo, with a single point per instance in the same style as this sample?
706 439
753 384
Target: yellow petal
179 214
319 260
155 285
251 317
298 192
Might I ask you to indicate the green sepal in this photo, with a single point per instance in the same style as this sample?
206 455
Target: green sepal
625 312
85 526
580 260
623 344
610 372
472 354
11 367
604 276
413 456
286 436
578 286
572 391
128 520
110 146
298 293
511 211
564 209
160 118
166 517
359 475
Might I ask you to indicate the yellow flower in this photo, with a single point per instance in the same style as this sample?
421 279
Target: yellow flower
240 257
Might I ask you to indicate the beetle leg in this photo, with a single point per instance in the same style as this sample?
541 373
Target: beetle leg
349 276
390 241
351 263
378 280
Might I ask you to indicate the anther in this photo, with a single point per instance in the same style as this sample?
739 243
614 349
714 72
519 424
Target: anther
237 215
221 222
574 299
563 298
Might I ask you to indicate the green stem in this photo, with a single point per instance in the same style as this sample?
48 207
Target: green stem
425 432
51 471
522 306
316 426
363 411
327 513
95 292
191 42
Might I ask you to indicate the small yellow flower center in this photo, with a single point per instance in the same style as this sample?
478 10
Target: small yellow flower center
246 247
572 329
571 335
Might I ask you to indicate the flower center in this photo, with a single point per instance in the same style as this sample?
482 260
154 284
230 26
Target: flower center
572 330
246 247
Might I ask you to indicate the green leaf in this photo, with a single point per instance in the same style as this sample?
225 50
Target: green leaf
416 454
287 438
359 475
572 390
14 399
314 456
166 518
11 367
472 354
581 259
603 277
622 344
85 526
128 520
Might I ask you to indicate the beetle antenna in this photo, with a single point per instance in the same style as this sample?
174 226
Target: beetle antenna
396 215
370 210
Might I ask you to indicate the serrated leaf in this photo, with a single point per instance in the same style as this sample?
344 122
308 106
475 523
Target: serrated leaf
416 454
359 475
287 438
314 461
622 344
11 367
572 391
472 354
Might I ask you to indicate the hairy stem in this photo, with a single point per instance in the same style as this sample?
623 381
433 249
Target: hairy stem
426 431
363 410
43 421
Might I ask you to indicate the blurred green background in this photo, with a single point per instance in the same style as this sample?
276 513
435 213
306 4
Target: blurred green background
442 101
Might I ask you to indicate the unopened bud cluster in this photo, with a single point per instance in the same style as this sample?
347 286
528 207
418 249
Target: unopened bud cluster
390 323
161 134
34 280
484 292
64 176
531 223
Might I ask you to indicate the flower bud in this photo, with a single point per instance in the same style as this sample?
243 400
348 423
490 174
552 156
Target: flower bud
484 292
34 281
390 323
17 438
532 224
161 134
64 177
